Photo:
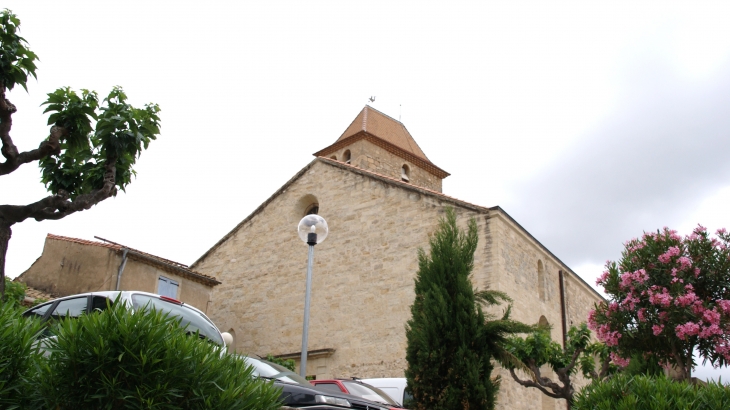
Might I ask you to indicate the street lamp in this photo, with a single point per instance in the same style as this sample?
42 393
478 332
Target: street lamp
312 229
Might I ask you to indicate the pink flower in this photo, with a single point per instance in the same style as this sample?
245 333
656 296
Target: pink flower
708 332
641 314
687 329
619 361
657 329
711 317
661 299
608 337
724 305
684 263
667 256
592 320
685 300
721 231
699 229
602 279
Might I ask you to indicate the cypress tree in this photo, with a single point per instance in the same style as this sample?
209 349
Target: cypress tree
449 363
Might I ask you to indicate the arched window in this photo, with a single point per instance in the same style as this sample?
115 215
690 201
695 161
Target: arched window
405 173
306 205
312 209
541 281
346 156
334 157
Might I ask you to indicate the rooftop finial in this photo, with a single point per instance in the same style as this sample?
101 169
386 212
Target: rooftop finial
372 98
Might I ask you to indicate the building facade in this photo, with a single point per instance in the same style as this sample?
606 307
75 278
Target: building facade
70 266
381 197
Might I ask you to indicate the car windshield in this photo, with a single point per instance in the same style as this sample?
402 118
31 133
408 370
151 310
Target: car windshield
189 318
368 392
270 370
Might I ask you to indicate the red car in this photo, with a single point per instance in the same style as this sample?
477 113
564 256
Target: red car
356 388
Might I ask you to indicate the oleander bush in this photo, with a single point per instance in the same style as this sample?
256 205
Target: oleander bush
625 392
18 356
123 359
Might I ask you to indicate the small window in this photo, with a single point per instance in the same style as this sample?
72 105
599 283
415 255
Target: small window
100 303
405 173
167 287
71 307
346 156
330 387
334 157
40 311
312 209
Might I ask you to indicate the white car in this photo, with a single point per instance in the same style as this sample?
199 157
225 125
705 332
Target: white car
77 305
395 387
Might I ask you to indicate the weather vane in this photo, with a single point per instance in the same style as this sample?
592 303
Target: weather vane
372 98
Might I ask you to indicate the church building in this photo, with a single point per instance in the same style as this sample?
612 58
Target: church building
381 197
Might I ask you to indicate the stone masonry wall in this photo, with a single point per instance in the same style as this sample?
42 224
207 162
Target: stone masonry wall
363 275
367 155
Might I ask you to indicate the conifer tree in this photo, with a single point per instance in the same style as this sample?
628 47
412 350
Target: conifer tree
449 364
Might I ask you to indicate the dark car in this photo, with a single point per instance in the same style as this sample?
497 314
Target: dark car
297 392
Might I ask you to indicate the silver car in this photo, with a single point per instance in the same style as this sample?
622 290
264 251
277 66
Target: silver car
76 305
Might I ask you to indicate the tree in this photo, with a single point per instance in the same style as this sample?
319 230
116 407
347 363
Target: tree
667 297
90 151
538 349
451 341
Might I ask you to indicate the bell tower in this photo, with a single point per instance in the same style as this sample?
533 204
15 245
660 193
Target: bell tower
381 144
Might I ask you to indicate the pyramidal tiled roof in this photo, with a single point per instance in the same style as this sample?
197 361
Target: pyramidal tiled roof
384 127
386 132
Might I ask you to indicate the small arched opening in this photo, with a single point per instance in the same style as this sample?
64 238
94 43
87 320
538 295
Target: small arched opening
346 156
405 173
306 205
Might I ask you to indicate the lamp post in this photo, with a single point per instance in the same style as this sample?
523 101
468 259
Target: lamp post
312 229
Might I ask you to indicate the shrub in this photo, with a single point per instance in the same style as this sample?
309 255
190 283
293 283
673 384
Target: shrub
123 359
624 392
18 356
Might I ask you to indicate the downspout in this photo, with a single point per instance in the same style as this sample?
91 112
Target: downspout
124 263
563 318
562 309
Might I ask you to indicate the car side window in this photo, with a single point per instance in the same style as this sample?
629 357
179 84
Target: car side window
331 387
71 307
38 312
99 303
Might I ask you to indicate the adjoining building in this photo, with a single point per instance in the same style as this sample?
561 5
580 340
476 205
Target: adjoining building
381 197
69 266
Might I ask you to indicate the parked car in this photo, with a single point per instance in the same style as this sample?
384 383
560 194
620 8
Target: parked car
395 387
357 388
297 392
76 305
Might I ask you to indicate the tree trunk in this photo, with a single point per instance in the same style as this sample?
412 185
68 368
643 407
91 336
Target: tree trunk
5 233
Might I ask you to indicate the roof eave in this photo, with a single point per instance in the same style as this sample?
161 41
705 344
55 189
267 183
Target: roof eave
392 148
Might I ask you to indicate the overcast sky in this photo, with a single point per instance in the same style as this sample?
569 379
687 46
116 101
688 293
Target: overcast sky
589 124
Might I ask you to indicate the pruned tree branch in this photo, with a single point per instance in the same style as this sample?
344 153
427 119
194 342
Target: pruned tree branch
540 383
58 206
14 159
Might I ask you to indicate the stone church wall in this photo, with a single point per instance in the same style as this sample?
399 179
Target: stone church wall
363 275
367 155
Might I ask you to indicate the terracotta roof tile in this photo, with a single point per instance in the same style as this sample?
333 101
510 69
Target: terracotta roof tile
386 132
384 127
37 294
143 257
